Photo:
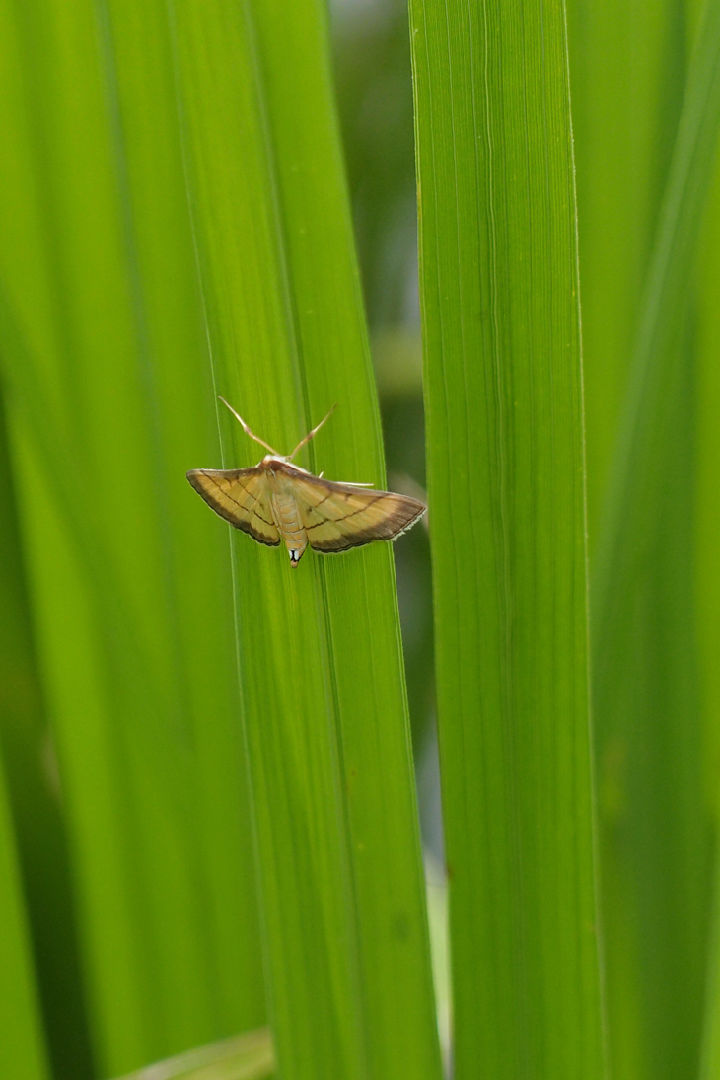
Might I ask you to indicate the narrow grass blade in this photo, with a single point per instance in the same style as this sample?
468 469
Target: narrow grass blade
707 584
35 810
645 661
319 653
22 1050
103 351
499 294
665 301
710 1045
625 103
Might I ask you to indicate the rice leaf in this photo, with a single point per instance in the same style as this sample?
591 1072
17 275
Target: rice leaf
645 625
22 1051
318 646
103 353
499 296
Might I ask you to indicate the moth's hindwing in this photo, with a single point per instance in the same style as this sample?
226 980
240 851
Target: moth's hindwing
340 516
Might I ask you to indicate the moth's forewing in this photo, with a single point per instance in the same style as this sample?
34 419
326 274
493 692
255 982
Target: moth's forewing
240 496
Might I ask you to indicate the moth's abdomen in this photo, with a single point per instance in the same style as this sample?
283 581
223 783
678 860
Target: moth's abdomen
289 524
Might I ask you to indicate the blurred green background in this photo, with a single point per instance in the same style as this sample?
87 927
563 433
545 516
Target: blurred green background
116 113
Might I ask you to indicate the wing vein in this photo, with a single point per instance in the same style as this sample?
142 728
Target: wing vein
330 520
248 509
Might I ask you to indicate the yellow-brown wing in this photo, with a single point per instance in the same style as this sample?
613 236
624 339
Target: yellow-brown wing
240 496
340 516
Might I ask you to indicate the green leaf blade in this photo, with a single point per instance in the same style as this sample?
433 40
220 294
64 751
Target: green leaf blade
136 651
319 650
647 618
22 1050
499 295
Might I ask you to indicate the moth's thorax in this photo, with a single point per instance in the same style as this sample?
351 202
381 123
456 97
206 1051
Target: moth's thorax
271 462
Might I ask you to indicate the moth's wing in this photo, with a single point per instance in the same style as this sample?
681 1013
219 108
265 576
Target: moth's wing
340 516
240 496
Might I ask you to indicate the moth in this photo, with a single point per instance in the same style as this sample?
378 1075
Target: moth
277 500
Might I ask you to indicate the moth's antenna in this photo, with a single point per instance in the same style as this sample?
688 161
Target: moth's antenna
246 429
311 434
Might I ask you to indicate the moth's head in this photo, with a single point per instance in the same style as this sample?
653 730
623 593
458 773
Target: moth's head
276 461
272 459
